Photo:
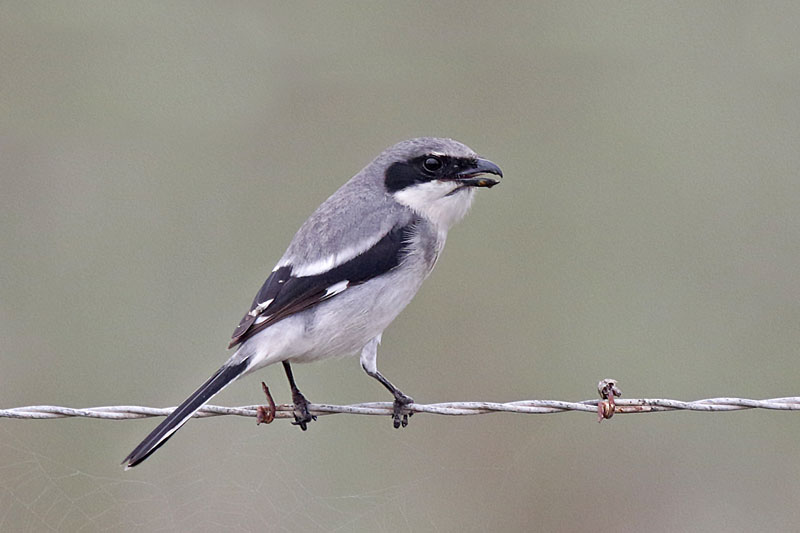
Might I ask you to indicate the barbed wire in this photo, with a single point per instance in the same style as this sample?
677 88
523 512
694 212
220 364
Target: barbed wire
605 408
127 412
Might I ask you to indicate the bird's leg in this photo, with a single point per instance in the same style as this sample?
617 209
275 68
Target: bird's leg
301 415
401 400
369 356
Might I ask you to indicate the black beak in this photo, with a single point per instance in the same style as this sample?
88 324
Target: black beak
474 174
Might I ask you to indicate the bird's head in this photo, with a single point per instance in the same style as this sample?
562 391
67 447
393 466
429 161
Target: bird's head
436 177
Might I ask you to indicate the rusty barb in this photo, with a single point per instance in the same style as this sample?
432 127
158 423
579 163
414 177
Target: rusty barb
608 390
266 414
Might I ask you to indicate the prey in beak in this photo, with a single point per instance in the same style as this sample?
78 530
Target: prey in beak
476 173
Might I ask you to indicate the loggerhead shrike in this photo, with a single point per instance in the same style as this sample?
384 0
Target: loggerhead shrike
349 271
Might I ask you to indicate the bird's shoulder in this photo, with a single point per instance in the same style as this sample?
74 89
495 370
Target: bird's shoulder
352 217
303 279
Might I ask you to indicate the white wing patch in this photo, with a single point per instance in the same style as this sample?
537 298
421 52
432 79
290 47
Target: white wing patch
335 289
330 292
260 308
328 262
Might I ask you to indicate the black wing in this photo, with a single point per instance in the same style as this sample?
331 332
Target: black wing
283 294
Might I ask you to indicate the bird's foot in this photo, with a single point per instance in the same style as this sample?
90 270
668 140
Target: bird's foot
301 414
401 414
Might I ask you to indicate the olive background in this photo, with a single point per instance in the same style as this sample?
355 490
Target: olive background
156 158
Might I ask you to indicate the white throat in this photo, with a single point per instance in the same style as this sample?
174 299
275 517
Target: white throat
433 200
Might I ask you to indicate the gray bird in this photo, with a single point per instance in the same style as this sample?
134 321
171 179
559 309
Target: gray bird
352 267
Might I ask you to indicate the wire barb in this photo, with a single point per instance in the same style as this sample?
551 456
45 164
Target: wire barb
265 414
608 391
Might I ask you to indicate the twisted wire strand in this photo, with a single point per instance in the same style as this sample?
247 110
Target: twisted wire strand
622 406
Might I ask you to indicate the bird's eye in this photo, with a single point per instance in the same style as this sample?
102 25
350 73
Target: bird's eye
432 164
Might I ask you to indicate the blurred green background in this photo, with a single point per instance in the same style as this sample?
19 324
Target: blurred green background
156 159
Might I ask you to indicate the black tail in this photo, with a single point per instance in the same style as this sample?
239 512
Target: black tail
184 412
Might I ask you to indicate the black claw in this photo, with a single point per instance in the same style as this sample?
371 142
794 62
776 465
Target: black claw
303 422
301 415
400 415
